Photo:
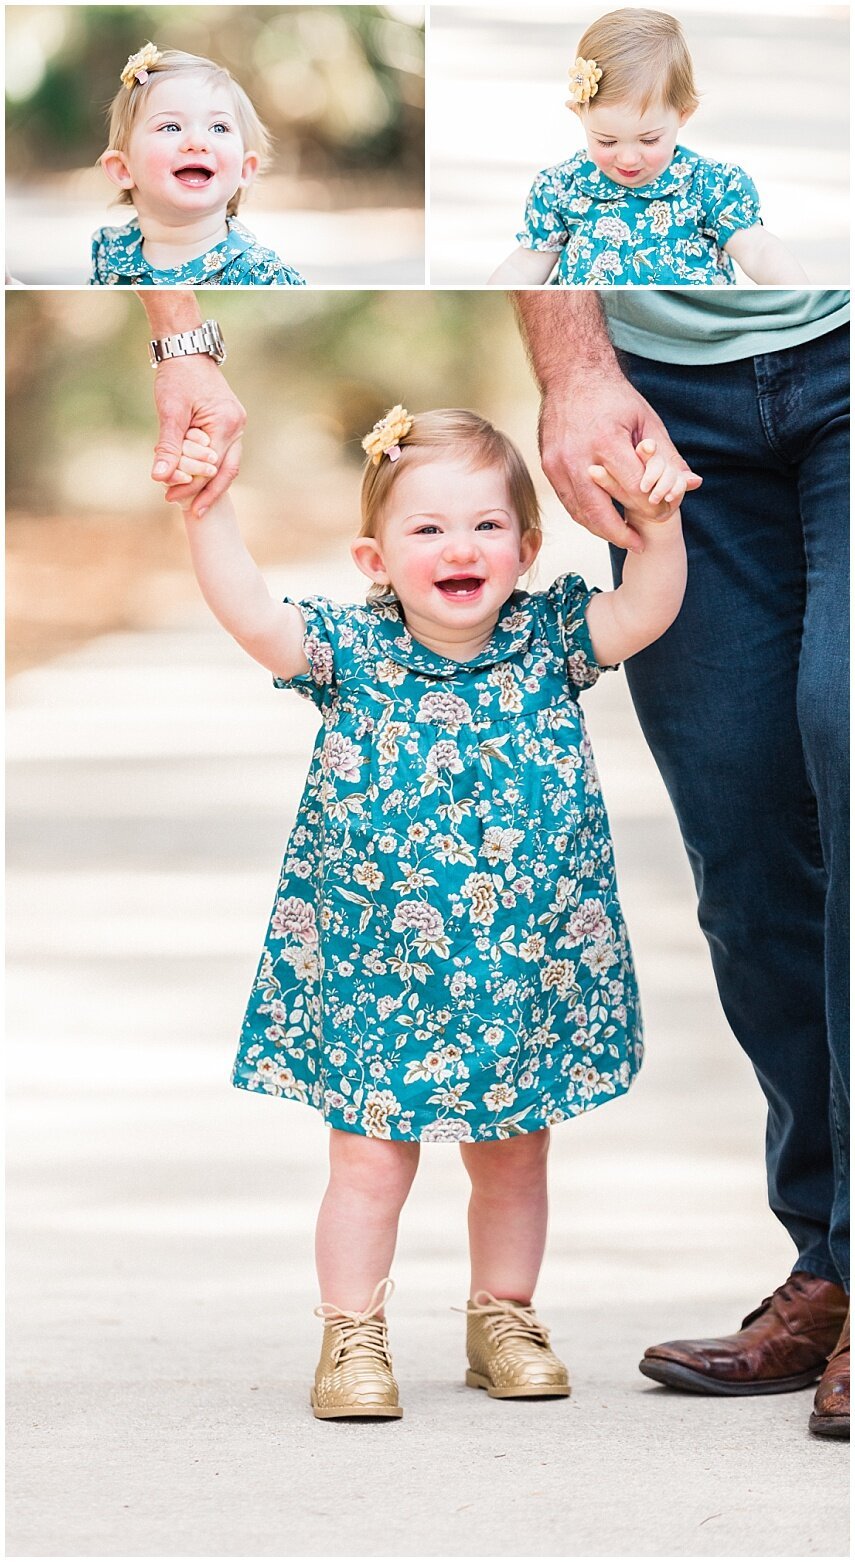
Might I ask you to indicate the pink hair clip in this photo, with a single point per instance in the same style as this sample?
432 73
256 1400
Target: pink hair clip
142 77
393 452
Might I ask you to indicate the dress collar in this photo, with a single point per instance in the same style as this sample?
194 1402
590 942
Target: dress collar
125 254
591 181
510 636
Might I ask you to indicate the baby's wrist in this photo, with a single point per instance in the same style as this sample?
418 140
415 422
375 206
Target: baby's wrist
655 529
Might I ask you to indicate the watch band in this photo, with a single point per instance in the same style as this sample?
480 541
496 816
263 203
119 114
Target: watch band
206 338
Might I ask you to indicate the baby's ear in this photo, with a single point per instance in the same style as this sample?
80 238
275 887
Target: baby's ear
529 549
116 168
686 116
249 169
369 560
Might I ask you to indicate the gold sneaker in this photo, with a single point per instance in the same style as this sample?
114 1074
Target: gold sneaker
354 1374
509 1352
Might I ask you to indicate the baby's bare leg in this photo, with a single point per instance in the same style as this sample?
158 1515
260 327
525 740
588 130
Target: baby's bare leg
507 1213
358 1219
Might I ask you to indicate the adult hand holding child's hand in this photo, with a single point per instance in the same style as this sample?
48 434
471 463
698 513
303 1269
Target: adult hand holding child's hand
191 393
198 462
589 444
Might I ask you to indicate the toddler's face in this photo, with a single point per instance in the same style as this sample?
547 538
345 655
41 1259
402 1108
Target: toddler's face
450 546
185 157
631 148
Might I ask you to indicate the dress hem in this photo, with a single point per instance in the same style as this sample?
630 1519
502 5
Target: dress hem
437 1138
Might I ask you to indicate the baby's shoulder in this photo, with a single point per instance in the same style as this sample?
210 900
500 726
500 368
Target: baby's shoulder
562 176
254 263
709 171
107 237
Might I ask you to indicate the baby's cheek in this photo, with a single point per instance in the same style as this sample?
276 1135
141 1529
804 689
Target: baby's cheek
660 160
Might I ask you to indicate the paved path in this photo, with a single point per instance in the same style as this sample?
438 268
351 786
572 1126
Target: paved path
497 116
161 1283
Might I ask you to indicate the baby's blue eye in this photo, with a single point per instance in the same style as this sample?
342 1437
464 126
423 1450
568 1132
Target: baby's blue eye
220 126
427 531
170 125
493 525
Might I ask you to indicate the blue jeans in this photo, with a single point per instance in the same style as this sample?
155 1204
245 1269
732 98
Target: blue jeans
744 703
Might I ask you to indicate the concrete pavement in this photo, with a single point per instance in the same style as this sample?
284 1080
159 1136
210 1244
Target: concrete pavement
160 1263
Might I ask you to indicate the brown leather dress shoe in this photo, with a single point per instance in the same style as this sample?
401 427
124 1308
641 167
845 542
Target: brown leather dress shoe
831 1404
784 1344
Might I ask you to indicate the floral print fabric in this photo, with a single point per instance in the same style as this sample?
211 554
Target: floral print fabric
446 958
672 230
240 261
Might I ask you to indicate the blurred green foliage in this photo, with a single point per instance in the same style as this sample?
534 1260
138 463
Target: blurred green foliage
340 86
314 370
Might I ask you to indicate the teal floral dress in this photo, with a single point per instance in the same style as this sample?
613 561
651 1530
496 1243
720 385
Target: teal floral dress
672 230
240 261
446 957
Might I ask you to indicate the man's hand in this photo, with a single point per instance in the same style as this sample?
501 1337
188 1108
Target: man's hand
591 418
599 427
193 393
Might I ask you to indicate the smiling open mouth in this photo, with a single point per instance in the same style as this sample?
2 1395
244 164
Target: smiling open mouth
194 175
460 586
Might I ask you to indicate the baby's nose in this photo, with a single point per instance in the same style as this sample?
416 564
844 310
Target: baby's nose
463 547
196 138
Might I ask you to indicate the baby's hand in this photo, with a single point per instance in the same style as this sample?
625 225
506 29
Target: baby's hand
197 458
663 484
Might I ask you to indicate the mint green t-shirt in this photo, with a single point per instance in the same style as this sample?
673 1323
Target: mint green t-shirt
718 325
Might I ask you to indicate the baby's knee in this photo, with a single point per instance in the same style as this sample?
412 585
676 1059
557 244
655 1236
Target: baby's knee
376 1169
505 1164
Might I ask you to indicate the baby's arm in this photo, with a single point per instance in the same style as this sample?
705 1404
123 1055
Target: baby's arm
525 268
763 257
650 595
231 583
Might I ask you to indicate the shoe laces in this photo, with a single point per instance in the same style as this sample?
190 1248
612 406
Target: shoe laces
507 1320
782 1293
360 1332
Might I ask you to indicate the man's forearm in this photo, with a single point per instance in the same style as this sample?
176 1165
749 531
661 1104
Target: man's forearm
169 310
565 336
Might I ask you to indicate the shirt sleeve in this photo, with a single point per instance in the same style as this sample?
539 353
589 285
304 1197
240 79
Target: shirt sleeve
329 632
731 202
286 276
564 607
543 227
263 268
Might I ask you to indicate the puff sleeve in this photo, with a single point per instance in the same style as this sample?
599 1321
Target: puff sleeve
562 609
328 633
544 227
730 202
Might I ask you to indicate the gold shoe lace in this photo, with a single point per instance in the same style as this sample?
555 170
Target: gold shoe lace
507 1319
364 1332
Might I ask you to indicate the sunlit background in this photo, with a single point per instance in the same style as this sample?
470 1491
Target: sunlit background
314 374
774 87
341 87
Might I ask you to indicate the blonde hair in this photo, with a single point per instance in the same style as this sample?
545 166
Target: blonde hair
127 105
450 432
644 58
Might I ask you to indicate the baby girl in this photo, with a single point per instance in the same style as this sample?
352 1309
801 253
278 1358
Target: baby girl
635 207
185 144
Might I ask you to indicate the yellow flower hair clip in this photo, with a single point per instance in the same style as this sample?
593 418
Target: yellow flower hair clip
139 64
584 80
386 433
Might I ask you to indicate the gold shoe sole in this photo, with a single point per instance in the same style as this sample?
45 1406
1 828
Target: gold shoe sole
354 1412
528 1391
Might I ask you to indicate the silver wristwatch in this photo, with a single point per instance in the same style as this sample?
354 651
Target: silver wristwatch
206 338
